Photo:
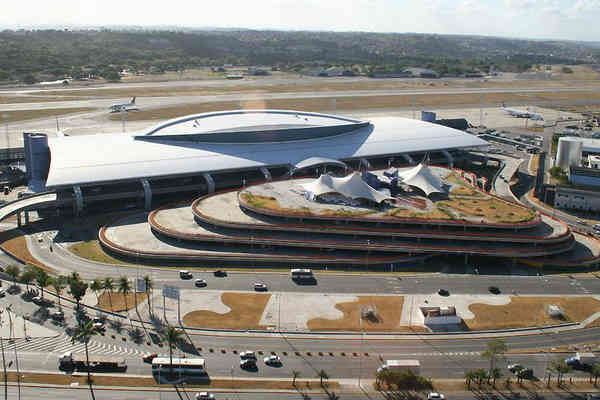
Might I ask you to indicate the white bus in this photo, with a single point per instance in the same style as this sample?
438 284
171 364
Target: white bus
181 370
297 273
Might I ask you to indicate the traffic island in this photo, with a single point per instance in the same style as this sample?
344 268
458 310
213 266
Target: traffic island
121 380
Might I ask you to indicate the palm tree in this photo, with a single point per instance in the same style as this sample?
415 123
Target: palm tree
149 286
109 285
173 335
495 349
481 375
95 286
83 333
560 368
13 271
322 375
495 374
295 374
469 377
595 372
125 289
58 284
27 277
42 279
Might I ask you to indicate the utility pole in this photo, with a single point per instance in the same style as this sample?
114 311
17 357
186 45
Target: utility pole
4 366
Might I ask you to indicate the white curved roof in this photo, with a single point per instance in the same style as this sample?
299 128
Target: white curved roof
94 159
351 186
422 177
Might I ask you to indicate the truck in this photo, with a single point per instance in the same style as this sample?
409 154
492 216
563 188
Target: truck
73 362
401 365
582 360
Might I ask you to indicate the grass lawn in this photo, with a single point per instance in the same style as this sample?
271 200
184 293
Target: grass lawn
322 104
91 250
493 210
118 301
524 312
246 311
388 310
23 115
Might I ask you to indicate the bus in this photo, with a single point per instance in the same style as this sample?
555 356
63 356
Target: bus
300 274
181 370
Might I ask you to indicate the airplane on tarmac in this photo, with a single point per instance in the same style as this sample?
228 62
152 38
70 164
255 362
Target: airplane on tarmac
523 114
131 106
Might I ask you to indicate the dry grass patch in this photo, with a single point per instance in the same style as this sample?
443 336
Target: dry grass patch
524 312
24 115
118 301
246 311
388 313
13 242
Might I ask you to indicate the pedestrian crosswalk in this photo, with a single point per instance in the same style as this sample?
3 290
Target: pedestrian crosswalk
62 343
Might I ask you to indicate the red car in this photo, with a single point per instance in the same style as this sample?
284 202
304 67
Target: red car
149 357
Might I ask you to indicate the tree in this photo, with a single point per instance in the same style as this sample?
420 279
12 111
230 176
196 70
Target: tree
95 286
13 271
111 75
481 375
469 377
77 288
27 277
495 349
595 373
58 284
108 285
124 289
560 368
149 286
295 375
29 79
322 375
83 333
42 279
173 335
495 374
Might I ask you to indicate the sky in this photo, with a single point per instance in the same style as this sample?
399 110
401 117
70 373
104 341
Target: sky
540 19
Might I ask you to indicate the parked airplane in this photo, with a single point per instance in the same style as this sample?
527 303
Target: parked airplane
124 107
523 114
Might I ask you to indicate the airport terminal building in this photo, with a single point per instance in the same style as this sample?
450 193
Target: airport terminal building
204 153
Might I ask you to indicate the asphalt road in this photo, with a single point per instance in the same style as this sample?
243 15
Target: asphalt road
32 393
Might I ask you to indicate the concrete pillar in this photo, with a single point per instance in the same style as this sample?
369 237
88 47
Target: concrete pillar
266 173
365 163
210 183
19 224
449 158
466 258
147 194
78 200
408 158
26 217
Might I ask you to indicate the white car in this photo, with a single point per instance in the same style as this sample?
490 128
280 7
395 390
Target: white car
514 368
260 287
435 396
248 355
272 360
200 283
204 396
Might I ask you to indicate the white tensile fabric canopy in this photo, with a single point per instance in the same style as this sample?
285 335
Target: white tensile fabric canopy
351 186
422 177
